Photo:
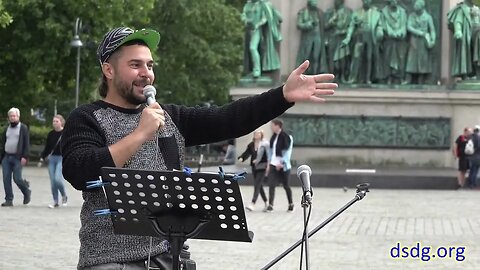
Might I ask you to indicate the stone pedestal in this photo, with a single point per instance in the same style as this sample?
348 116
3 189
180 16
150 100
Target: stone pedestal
250 81
458 108
468 85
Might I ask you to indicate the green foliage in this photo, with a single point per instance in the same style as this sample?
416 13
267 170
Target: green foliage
38 134
38 64
238 4
5 18
198 58
200 53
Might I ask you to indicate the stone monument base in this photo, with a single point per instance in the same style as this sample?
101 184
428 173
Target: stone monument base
250 81
419 127
470 84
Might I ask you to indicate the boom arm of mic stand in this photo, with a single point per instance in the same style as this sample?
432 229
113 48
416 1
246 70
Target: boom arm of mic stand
362 190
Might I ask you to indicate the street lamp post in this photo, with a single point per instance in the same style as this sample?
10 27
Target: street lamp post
77 43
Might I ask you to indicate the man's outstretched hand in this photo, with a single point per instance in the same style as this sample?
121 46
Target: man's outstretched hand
300 87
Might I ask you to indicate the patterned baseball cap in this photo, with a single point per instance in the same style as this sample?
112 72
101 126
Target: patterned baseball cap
118 36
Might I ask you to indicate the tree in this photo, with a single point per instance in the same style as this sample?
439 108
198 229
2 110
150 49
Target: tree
198 58
38 63
238 4
200 51
5 18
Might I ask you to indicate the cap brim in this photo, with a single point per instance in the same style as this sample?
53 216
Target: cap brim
149 36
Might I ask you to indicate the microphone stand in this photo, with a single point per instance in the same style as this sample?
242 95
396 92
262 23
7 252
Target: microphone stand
306 204
362 190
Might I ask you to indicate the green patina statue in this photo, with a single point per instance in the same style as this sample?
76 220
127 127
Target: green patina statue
394 43
262 27
476 40
337 22
312 41
367 30
422 40
461 24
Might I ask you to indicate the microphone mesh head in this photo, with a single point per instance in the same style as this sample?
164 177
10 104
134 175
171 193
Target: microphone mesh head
304 168
149 91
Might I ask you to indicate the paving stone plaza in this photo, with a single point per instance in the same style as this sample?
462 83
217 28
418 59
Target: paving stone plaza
429 229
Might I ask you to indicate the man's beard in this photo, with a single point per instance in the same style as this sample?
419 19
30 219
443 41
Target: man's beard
126 91
14 124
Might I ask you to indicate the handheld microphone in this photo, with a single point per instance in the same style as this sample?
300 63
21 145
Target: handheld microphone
303 173
149 92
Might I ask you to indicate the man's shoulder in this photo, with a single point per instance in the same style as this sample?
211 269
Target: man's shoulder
460 7
23 126
89 107
84 111
375 10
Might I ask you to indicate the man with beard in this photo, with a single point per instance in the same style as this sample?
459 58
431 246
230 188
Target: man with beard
122 131
422 39
15 144
395 41
366 30
337 23
460 22
312 41
262 35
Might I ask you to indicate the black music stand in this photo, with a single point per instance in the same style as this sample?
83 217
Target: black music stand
176 206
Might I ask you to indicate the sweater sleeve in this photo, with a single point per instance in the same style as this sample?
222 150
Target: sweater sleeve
84 149
202 125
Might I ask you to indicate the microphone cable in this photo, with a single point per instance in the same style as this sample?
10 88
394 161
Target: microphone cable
304 235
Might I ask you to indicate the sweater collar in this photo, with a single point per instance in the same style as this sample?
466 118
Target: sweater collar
105 104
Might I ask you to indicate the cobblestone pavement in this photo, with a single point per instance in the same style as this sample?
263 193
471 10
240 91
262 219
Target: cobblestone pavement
35 237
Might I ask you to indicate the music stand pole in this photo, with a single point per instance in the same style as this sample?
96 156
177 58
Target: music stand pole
200 163
362 190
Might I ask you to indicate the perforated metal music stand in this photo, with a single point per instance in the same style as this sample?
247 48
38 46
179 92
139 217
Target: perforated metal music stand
176 206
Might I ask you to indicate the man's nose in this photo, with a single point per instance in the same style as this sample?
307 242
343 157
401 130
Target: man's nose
144 71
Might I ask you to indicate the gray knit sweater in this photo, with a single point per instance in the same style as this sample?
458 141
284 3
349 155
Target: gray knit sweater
91 128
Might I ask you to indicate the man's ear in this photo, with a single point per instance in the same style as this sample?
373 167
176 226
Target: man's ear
107 70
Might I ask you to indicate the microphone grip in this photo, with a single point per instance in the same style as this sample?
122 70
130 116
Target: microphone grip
150 100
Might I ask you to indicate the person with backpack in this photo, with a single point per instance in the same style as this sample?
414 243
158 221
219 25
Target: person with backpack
474 158
461 152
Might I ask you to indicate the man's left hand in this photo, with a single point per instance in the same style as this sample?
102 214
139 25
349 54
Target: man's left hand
23 161
300 87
